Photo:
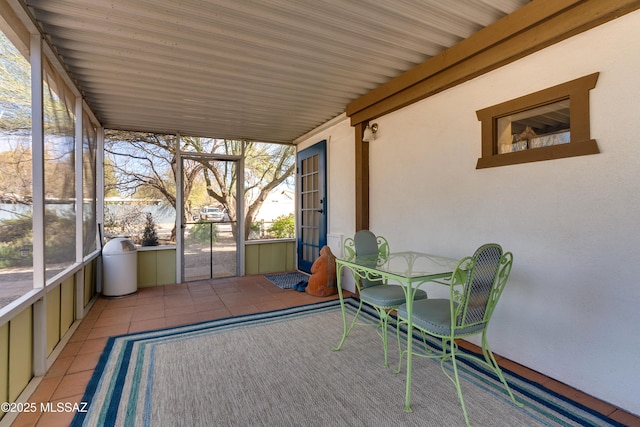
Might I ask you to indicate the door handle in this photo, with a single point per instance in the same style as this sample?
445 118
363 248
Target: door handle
320 210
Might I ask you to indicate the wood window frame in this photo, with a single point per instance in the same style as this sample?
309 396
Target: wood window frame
576 91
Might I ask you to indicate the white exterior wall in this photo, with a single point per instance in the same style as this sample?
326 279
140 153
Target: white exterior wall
570 309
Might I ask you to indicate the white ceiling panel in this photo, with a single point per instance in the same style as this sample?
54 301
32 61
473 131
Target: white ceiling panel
265 70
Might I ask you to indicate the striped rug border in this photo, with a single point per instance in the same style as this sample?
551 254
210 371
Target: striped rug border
550 407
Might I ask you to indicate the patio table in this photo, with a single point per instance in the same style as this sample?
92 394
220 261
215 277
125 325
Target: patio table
410 270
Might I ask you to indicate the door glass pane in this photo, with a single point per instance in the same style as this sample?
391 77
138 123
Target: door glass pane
210 234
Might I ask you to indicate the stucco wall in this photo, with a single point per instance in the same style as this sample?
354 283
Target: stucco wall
570 309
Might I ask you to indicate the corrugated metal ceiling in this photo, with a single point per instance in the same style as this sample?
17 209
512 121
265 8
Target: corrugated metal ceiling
265 70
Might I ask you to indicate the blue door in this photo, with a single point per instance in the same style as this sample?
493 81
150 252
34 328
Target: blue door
312 204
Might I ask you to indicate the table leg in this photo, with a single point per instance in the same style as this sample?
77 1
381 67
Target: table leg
409 298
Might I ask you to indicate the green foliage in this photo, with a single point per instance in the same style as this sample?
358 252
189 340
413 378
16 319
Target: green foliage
203 232
16 234
149 235
283 226
12 230
16 240
60 240
15 255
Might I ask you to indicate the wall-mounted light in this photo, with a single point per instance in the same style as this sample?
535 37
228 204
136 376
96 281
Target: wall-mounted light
370 132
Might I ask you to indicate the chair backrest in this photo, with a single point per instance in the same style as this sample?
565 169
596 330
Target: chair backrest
477 285
365 242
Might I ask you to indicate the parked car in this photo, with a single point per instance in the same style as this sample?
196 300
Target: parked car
212 214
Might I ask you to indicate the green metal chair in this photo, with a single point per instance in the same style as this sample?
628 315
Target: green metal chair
372 289
476 286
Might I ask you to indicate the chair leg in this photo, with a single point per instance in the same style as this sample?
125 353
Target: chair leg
348 329
491 361
384 319
458 389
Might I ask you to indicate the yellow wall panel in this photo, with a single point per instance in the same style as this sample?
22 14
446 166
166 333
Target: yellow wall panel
273 257
291 256
67 306
270 257
20 352
252 259
53 318
165 267
4 364
147 264
156 267
90 281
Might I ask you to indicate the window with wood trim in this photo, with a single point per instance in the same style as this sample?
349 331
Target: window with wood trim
550 124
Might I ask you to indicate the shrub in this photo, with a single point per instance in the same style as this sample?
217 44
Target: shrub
283 226
203 232
149 235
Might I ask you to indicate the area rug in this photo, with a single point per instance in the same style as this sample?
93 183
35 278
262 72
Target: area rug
278 369
287 280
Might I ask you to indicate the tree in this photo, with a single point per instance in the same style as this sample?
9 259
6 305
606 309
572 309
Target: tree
149 235
15 89
266 167
15 125
144 163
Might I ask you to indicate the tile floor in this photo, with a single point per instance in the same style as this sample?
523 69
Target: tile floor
173 305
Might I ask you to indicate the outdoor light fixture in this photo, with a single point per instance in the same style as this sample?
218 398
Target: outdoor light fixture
370 132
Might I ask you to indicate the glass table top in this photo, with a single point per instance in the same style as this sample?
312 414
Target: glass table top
408 264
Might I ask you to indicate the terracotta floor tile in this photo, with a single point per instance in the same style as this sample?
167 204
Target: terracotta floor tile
235 299
626 418
181 319
272 305
71 349
523 371
59 367
238 310
224 290
72 385
580 397
150 292
179 310
84 362
56 419
203 288
122 302
148 312
147 325
45 389
93 345
112 320
26 419
220 313
206 298
209 305
80 335
108 331
176 290
122 312
154 300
